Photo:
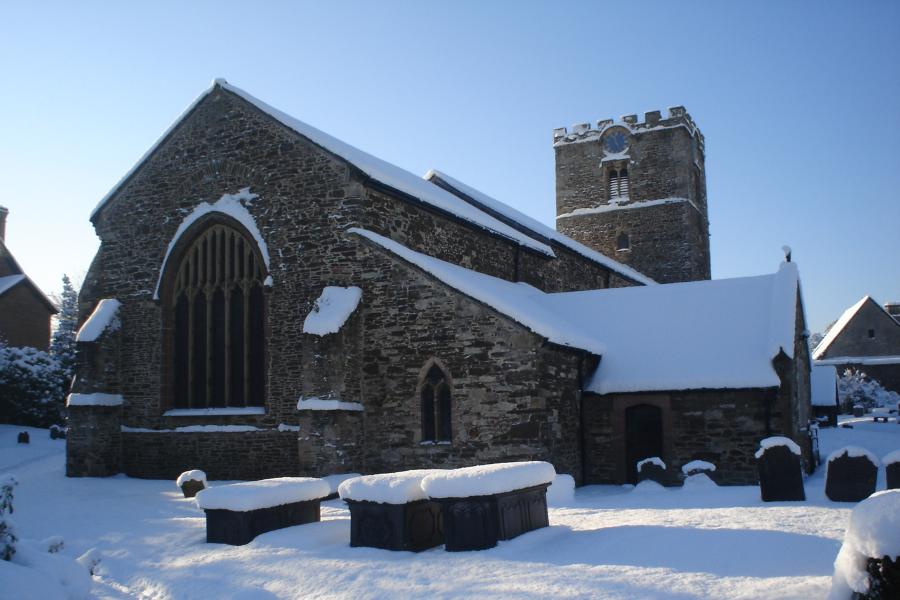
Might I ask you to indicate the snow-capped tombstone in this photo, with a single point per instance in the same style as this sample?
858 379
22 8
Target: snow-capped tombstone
237 513
57 432
484 504
780 472
191 482
859 410
653 469
392 512
23 438
892 469
868 564
850 474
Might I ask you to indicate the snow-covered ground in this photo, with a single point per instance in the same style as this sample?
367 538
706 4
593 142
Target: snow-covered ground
609 542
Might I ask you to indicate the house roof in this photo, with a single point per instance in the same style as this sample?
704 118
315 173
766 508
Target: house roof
697 335
378 170
8 282
823 384
533 226
841 324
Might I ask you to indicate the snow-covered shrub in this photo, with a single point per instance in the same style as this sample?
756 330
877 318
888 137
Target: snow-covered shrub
873 533
32 387
856 388
8 537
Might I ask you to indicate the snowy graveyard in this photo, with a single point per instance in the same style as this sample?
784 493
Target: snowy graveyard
699 541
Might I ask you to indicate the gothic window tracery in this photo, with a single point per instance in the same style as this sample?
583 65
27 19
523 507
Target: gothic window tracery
217 315
435 397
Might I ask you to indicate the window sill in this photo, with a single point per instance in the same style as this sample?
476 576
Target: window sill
203 412
441 443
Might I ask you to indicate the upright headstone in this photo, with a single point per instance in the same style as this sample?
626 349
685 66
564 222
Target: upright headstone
780 472
850 474
652 468
23 438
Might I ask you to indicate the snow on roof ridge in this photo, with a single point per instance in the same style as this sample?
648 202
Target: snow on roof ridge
839 326
102 318
10 281
538 227
524 304
374 167
784 308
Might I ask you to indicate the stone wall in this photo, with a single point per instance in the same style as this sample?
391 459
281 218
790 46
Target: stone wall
721 426
222 455
514 397
667 242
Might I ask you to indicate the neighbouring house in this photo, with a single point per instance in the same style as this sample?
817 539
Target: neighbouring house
268 300
825 401
25 311
865 338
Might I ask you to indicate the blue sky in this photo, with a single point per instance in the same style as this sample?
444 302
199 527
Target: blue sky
799 103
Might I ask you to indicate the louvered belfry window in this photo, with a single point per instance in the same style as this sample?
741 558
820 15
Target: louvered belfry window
618 183
218 318
436 409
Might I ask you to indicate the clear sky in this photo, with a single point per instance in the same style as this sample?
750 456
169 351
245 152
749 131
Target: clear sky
799 103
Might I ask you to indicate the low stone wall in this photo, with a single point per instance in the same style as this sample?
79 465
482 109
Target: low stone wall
223 455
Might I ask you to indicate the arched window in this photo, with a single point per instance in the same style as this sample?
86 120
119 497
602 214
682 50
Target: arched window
618 184
623 242
216 310
436 409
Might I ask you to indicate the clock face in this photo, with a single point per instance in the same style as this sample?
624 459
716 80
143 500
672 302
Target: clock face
614 143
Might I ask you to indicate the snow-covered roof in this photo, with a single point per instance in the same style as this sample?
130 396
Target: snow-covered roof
714 334
823 382
720 334
859 360
7 283
535 226
10 281
379 170
842 323
521 302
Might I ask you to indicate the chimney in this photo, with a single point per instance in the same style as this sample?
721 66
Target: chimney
3 212
893 309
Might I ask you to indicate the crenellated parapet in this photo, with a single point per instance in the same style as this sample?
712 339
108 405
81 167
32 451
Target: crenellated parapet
653 121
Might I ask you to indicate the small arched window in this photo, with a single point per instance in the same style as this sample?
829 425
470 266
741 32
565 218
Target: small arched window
436 409
216 310
623 242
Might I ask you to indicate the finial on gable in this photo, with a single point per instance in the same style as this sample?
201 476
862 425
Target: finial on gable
220 81
787 253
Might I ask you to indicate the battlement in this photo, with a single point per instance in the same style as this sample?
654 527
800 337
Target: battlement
653 121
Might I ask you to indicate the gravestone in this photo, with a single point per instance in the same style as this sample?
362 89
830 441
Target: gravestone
653 469
850 477
23 438
780 474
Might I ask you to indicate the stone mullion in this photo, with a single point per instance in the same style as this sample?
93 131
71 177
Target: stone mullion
208 289
190 329
246 323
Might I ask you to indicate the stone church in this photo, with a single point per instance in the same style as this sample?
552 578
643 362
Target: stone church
268 300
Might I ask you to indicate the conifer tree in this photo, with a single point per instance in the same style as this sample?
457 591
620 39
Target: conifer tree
62 346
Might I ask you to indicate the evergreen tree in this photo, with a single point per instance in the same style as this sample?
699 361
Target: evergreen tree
62 346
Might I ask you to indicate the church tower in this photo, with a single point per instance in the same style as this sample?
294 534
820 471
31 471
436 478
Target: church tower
636 191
